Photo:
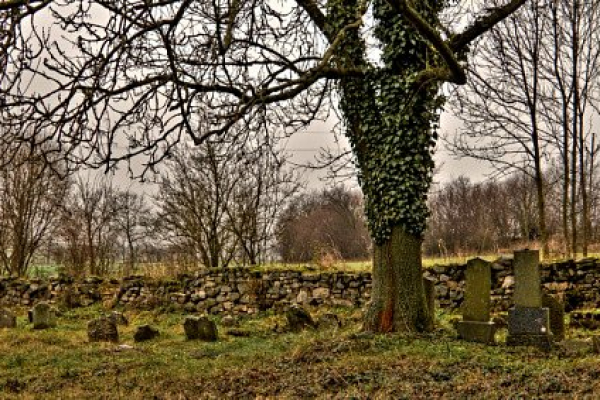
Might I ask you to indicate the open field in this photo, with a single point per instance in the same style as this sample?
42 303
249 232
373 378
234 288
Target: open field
60 363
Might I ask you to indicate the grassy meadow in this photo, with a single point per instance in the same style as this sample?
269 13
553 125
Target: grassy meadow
329 363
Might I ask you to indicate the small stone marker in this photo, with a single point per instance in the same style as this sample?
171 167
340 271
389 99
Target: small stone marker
528 321
144 333
118 318
7 319
43 316
329 321
557 315
200 328
298 319
103 329
476 325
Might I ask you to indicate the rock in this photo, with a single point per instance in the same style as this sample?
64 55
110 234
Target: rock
103 329
43 316
238 333
321 293
298 319
200 328
509 282
144 333
329 321
7 319
118 318
228 320
302 297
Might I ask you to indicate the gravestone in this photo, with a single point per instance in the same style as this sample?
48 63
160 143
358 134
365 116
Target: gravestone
476 325
144 333
7 319
118 318
429 288
103 329
557 315
42 316
528 321
200 328
299 318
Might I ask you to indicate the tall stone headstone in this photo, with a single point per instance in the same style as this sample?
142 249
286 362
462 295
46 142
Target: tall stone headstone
476 325
528 321
43 316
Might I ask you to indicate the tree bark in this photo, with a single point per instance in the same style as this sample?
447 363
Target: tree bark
398 298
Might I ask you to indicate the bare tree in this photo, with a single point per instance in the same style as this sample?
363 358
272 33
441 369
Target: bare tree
258 199
30 198
500 105
223 204
134 220
193 201
89 231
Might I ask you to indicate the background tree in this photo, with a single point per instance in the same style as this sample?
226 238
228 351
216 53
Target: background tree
221 203
531 94
193 200
151 72
329 221
88 232
134 221
262 192
500 106
30 198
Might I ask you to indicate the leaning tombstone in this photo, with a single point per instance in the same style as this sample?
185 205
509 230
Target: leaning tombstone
43 316
7 319
476 325
557 315
103 329
528 321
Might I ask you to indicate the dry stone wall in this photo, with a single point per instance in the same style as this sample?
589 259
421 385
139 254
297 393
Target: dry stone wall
243 291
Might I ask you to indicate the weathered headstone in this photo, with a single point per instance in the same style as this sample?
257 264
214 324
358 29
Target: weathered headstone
298 319
557 315
329 321
144 333
476 325
7 319
429 288
118 318
200 328
103 329
43 316
528 321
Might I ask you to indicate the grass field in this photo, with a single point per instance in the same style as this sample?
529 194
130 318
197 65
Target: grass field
60 363
169 270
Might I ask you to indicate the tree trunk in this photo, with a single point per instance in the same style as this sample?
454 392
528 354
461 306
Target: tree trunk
398 298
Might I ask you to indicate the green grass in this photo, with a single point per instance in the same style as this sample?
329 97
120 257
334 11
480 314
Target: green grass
60 363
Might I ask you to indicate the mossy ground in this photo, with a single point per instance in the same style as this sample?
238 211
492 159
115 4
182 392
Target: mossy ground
340 363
